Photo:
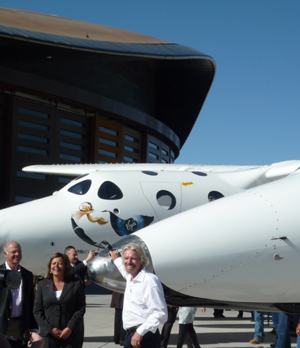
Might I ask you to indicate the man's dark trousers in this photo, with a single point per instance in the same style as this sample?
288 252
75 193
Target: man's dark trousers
150 340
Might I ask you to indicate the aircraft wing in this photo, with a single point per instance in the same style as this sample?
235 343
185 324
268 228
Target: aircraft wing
282 169
273 172
80 169
62 169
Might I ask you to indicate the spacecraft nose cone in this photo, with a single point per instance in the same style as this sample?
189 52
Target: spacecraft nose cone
103 271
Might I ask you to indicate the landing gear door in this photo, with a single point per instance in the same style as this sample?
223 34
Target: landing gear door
165 198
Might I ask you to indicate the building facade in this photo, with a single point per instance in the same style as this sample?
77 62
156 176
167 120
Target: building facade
75 92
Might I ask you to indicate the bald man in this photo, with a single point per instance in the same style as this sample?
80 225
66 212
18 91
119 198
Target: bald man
17 316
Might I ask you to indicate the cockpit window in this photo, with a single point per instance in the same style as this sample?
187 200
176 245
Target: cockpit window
81 188
109 190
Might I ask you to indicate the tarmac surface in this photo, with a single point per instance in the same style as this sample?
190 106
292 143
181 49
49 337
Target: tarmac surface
212 333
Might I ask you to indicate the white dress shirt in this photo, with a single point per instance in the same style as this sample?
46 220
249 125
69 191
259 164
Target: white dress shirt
57 294
16 297
144 302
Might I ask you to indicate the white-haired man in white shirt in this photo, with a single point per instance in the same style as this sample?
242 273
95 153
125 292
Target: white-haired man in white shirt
144 303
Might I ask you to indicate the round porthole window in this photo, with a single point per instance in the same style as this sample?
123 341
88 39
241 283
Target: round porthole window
166 199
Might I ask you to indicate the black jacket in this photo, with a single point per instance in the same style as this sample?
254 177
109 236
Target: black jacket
67 312
28 321
80 271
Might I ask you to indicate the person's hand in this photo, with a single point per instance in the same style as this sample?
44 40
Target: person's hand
298 330
87 281
203 310
91 255
114 254
65 333
136 340
56 333
35 337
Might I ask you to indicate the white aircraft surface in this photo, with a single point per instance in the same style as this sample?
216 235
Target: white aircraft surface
239 252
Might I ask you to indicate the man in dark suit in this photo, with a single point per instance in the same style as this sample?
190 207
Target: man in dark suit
117 300
79 268
17 315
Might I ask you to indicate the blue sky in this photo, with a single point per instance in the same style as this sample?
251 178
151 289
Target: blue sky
252 112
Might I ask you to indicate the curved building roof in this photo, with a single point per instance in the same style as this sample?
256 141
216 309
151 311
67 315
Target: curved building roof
183 75
54 25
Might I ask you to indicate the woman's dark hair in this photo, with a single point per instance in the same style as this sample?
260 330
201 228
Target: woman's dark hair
66 262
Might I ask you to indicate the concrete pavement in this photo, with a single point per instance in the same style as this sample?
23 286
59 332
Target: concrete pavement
230 332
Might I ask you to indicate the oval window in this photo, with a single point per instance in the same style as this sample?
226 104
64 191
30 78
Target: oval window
110 191
213 195
200 173
148 172
81 188
166 199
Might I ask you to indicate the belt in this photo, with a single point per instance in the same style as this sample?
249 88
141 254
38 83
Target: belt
15 318
132 329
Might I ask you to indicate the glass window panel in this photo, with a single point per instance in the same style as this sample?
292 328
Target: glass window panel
108 130
64 180
148 172
153 155
164 152
69 157
31 175
214 195
24 199
128 137
172 157
130 149
128 159
200 173
132 139
71 134
70 146
107 153
154 146
71 122
33 125
33 138
108 142
32 150
164 161
33 113
81 188
109 191
166 199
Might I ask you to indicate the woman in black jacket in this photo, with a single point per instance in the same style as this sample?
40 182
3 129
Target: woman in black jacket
59 306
